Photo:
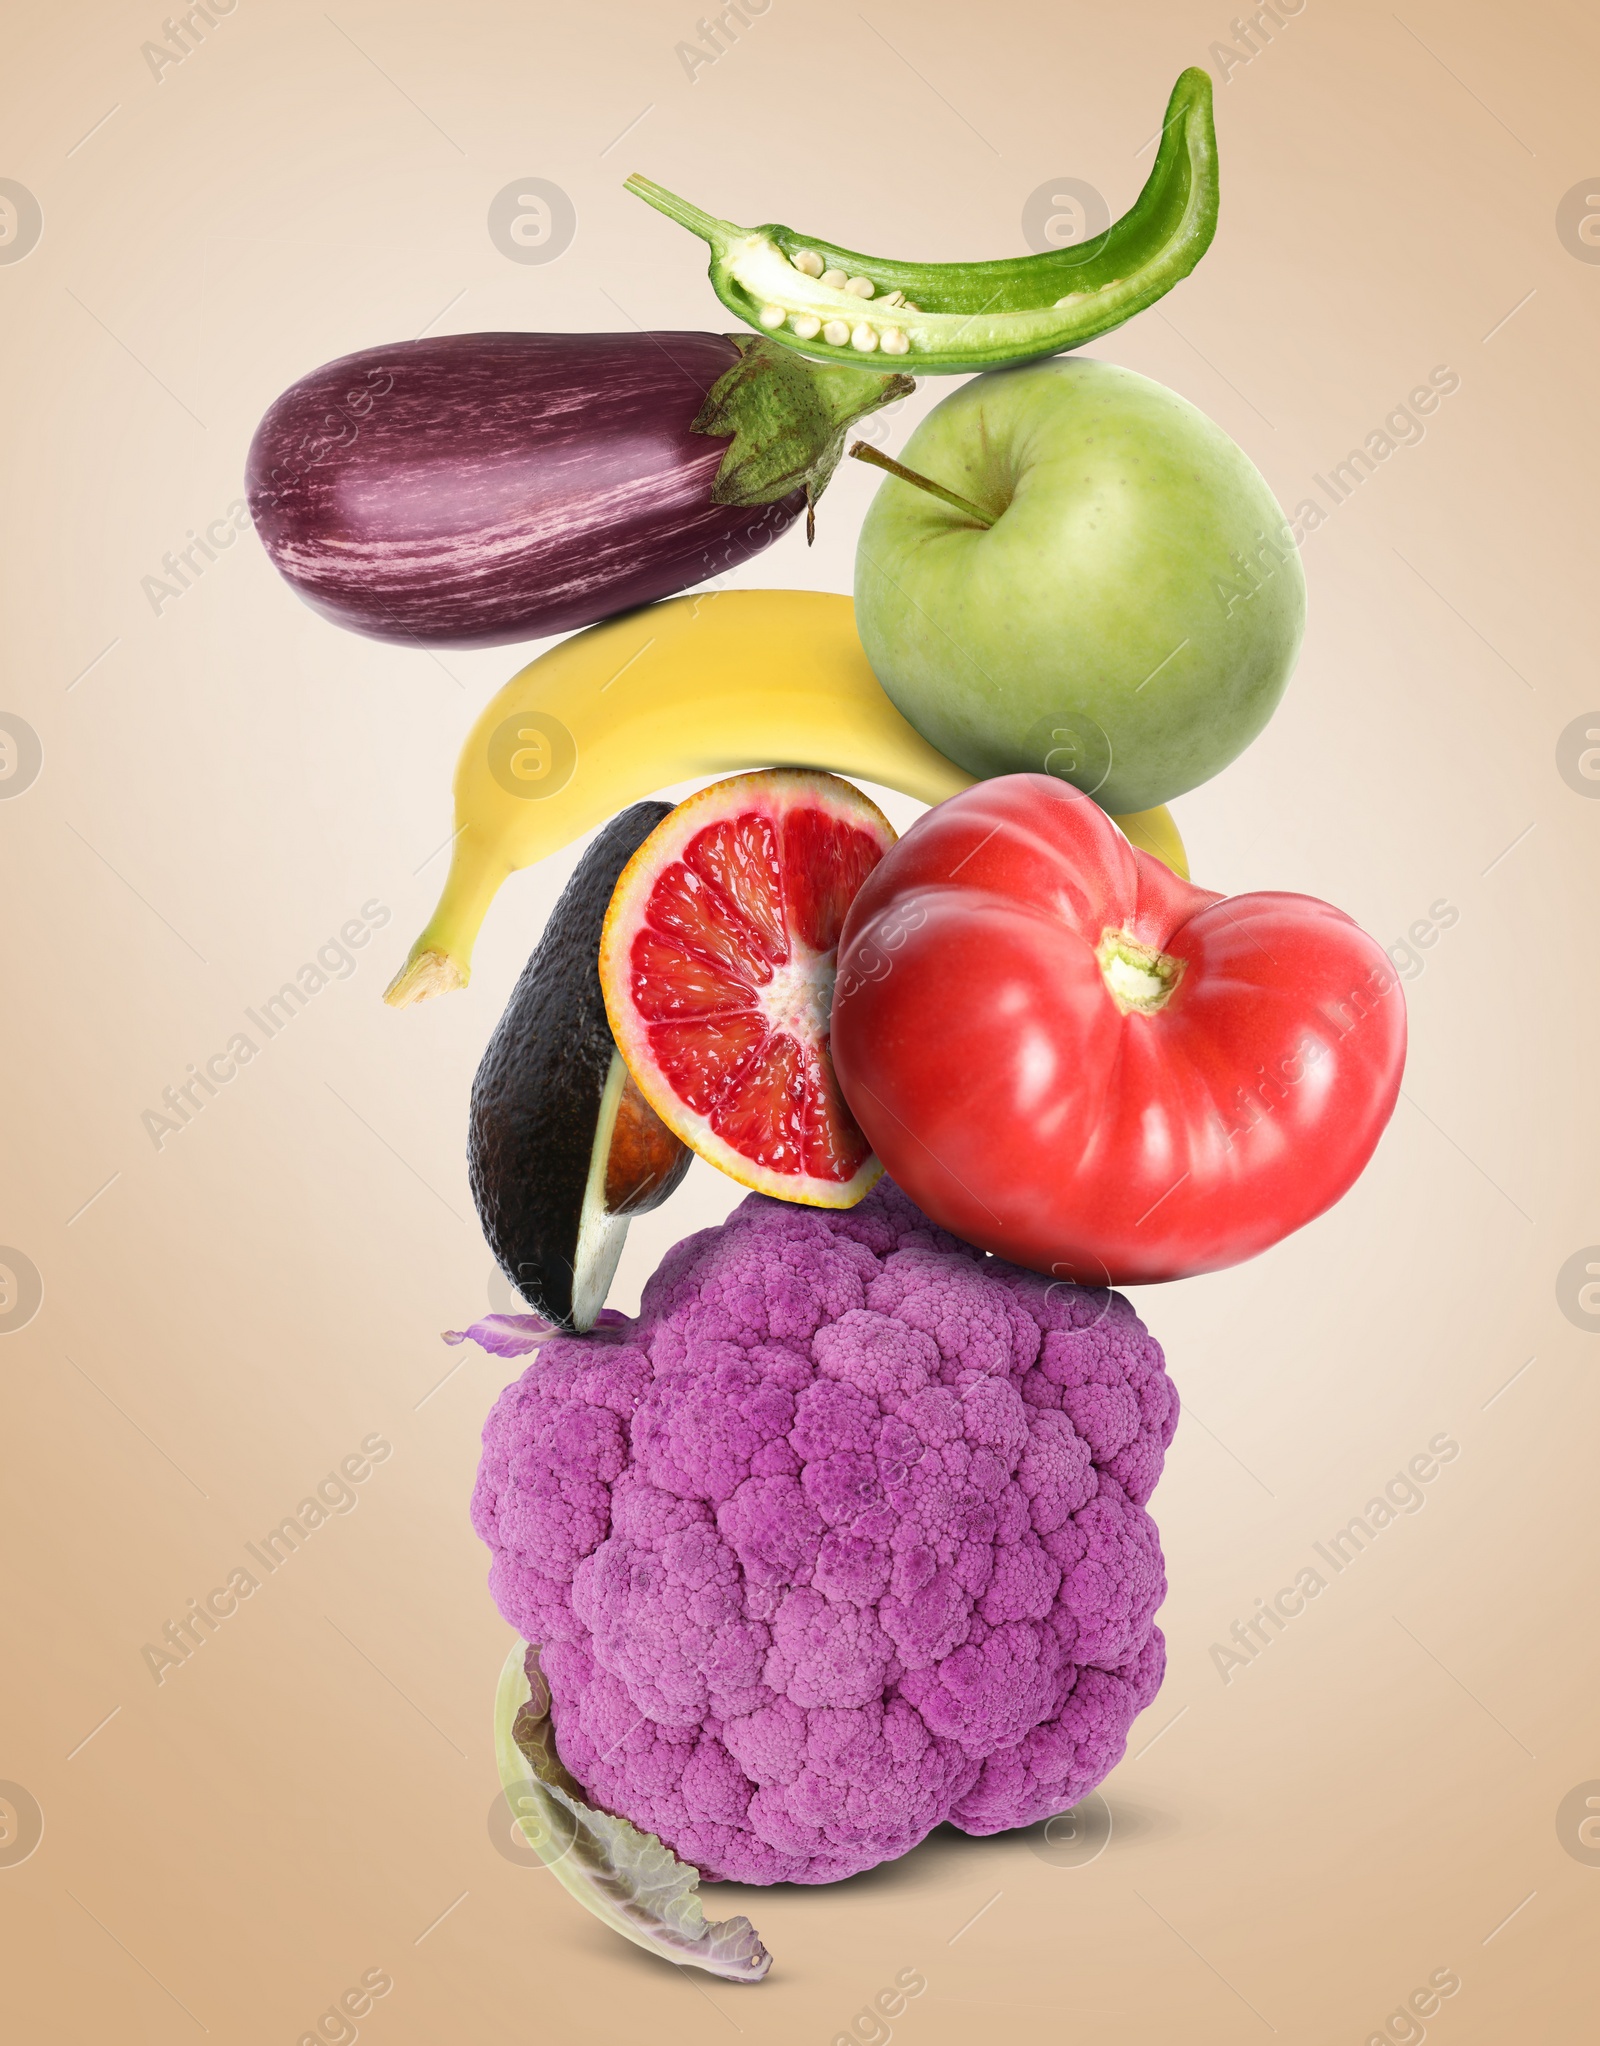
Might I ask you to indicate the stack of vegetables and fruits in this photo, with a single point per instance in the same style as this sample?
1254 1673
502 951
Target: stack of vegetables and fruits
845 1535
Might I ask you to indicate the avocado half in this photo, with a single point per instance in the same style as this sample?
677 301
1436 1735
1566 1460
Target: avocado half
562 1148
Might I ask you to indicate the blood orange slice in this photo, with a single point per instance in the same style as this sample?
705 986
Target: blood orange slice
717 963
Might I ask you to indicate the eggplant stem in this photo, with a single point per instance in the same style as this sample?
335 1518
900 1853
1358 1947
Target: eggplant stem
865 453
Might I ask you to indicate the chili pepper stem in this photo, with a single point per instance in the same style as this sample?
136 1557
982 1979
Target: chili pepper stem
863 453
706 225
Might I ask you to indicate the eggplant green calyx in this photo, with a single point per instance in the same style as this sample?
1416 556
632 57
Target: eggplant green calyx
863 453
787 420
948 318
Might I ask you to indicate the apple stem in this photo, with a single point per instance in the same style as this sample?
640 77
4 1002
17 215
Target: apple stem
864 453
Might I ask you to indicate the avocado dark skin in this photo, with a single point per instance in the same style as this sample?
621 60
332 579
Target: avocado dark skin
536 1100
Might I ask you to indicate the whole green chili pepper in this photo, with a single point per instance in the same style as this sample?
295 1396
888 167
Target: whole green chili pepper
945 318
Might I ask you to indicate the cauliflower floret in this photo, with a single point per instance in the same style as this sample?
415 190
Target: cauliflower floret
842 1538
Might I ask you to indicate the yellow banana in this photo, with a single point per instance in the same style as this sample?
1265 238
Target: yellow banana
696 686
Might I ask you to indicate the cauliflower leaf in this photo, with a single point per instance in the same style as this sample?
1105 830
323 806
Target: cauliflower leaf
628 1879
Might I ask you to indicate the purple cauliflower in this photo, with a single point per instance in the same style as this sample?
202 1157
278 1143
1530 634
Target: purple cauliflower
843 1537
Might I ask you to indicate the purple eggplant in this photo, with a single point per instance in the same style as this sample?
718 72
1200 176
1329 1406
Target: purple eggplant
481 488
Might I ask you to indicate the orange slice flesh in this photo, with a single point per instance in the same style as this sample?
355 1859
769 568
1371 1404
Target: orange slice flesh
717 963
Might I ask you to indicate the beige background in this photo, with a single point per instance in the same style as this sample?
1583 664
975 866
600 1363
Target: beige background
229 781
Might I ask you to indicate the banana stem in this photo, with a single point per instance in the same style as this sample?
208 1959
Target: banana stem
863 453
441 959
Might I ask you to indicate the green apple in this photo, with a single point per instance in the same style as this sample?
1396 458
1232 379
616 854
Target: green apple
1129 618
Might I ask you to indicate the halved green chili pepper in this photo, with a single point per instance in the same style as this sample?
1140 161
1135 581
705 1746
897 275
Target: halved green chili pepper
943 318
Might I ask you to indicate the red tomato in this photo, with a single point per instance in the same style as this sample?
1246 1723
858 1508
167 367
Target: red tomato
1070 1057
